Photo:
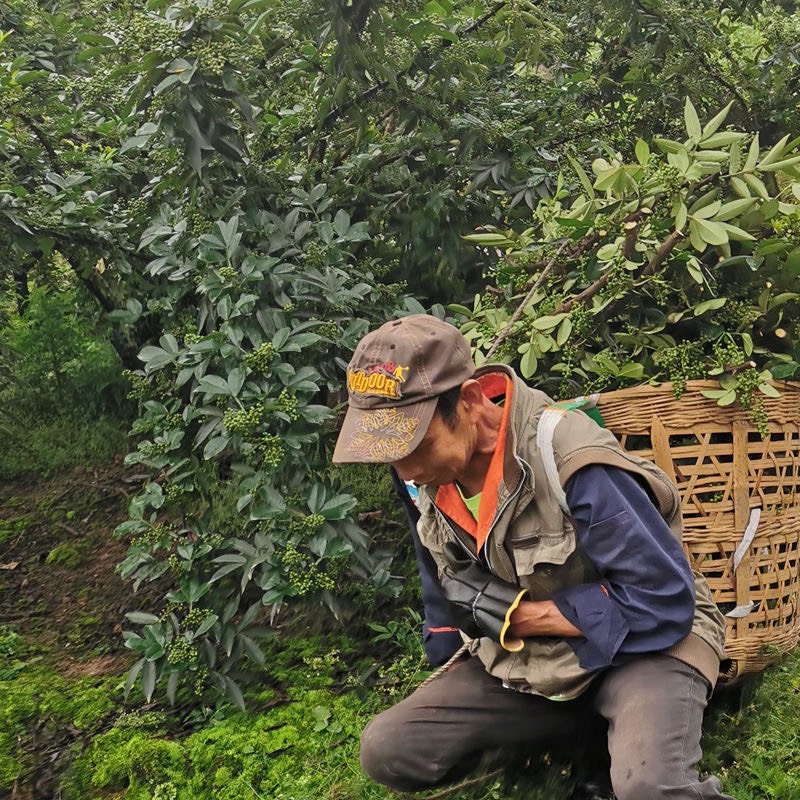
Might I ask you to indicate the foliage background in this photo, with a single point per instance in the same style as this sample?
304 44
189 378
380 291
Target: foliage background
203 205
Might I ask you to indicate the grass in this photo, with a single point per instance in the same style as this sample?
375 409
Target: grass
29 447
299 738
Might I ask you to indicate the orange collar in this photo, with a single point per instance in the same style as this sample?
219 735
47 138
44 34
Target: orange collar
448 498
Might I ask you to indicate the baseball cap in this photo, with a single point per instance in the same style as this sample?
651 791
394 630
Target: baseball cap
393 382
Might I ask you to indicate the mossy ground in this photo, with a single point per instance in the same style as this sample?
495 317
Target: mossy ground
67 730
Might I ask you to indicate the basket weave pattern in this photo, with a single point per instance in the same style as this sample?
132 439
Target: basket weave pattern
734 485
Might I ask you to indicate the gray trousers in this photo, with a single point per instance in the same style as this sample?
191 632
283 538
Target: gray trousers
653 708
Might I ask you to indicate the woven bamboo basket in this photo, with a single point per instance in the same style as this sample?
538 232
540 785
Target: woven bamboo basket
740 500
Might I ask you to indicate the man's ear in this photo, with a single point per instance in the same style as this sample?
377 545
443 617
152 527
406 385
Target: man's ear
471 394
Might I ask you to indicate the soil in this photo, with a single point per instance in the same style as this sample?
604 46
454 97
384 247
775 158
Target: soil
58 559
60 590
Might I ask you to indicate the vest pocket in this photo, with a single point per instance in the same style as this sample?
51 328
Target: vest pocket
534 549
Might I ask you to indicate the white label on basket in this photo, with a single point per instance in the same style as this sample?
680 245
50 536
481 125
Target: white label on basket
747 539
741 611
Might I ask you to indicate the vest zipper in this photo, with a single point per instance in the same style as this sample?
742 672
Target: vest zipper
500 513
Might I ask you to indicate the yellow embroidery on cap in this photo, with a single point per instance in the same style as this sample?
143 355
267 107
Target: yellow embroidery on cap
385 433
383 380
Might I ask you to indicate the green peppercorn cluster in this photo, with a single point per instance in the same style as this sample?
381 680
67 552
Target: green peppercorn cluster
727 353
747 383
307 525
287 403
148 32
619 279
736 315
211 57
195 617
329 330
198 222
181 652
314 255
243 420
303 576
683 362
157 448
229 275
260 359
156 537
175 565
582 320
670 179
140 387
272 450
174 492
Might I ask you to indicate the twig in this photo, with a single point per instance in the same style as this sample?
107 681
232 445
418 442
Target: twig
465 784
503 335
593 288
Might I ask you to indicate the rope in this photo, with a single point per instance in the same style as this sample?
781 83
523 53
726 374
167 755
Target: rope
446 666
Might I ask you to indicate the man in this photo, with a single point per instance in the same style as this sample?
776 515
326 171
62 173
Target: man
561 557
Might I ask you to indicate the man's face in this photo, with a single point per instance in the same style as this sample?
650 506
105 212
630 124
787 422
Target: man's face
442 455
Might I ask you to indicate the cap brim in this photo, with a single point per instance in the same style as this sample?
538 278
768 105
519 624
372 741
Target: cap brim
382 435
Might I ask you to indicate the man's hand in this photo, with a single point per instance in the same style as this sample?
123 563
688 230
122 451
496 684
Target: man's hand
482 603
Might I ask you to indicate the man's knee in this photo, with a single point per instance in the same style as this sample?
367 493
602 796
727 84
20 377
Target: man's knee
401 756
377 752
384 756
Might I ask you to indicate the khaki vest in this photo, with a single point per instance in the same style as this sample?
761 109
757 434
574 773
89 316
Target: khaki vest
532 543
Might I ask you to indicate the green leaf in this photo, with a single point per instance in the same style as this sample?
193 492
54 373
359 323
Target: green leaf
172 686
234 693
709 305
582 177
737 234
528 364
642 151
341 222
709 232
774 154
734 208
777 166
769 390
706 211
752 156
747 344
723 140
488 239
215 446
756 185
740 187
680 217
148 680
206 625
547 323
715 122
214 384
564 331
142 618
693 129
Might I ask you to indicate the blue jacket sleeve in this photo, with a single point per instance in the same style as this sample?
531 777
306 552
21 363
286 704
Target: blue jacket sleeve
644 601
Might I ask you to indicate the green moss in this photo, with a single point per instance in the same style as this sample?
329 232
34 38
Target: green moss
14 528
64 555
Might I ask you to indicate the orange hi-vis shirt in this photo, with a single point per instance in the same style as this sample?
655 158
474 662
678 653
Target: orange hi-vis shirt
448 498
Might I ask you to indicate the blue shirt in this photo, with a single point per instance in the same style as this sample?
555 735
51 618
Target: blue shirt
645 598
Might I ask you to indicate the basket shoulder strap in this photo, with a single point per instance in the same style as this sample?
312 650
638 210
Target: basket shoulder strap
545 433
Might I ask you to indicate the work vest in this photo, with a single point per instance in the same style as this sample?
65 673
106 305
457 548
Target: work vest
532 542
